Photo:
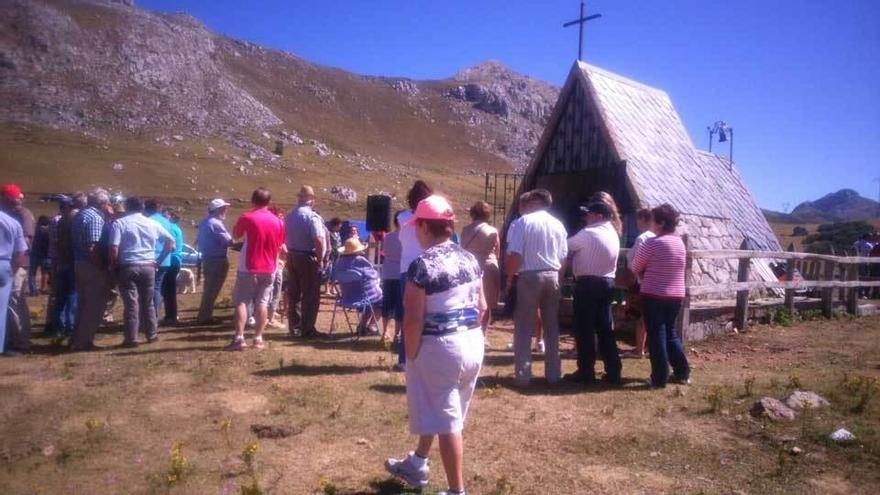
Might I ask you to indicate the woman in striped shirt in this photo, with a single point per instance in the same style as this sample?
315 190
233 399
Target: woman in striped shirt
660 263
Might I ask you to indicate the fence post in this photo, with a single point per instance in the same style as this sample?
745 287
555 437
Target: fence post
684 315
828 292
741 315
790 269
852 293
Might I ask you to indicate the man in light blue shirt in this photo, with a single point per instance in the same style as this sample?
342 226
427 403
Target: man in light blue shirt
132 241
213 241
536 248
13 255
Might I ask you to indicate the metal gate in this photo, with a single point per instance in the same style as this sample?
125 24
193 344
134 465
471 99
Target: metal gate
499 192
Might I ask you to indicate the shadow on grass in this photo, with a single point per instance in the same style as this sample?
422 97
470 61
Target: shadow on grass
211 337
387 388
343 341
318 370
144 351
48 349
110 328
192 327
506 358
389 486
539 386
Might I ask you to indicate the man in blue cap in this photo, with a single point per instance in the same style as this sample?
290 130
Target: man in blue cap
594 251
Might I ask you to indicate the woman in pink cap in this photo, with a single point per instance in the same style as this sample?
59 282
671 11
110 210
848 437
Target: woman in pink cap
444 344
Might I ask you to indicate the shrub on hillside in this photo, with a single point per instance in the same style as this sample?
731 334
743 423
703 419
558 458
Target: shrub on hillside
836 238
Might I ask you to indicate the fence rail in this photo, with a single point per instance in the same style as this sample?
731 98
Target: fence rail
826 272
780 255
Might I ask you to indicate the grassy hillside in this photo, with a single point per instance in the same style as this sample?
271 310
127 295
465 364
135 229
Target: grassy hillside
784 231
187 175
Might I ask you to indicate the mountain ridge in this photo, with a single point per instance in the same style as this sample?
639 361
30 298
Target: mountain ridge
839 206
92 65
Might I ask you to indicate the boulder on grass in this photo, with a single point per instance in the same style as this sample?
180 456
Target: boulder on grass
772 409
800 398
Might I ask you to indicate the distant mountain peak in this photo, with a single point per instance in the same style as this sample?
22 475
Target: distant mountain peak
489 69
842 205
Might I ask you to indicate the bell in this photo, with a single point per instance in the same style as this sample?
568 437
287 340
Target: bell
722 136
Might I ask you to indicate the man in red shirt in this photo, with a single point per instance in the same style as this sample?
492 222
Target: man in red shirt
263 234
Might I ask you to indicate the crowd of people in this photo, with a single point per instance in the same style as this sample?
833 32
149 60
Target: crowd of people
437 290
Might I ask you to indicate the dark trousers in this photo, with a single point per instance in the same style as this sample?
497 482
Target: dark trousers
92 293
304 286
663 342
136 284
169 292
592 318
214 271
63 316
157 287
33 268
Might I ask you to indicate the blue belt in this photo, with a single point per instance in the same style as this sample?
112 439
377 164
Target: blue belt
451 322
447 331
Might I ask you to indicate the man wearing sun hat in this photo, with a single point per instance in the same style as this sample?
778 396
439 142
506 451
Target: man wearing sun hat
305 246
19 330
358 281
213 241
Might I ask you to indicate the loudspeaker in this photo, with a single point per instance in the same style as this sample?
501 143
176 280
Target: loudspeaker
379 213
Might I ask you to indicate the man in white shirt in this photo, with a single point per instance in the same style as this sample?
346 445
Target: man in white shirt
594 251
536 249
133 240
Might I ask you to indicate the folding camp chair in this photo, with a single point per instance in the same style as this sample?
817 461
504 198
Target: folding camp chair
361 307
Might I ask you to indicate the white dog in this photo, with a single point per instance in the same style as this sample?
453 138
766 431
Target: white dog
186 281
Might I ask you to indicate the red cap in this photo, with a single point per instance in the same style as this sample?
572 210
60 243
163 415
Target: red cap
11 191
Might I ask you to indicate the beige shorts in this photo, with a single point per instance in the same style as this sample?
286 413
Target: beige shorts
256 287
440 381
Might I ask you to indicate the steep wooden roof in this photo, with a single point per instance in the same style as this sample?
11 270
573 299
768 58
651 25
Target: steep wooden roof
662 165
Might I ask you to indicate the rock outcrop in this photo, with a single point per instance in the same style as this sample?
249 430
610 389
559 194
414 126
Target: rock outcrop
105 65
135 70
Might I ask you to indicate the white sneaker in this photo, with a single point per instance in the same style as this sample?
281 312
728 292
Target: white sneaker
411 469
251 322
539 347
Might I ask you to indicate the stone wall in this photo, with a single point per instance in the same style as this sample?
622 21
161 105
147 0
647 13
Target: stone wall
711 233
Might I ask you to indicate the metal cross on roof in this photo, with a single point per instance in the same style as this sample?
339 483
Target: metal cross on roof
581 21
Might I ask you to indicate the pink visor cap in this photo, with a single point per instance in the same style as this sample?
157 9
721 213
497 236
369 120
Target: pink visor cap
433 207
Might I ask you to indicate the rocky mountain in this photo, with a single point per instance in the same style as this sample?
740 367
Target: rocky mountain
840 206
102 67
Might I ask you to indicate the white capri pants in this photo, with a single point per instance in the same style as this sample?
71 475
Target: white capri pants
440 381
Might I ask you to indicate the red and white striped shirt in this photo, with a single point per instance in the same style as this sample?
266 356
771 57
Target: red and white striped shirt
660 263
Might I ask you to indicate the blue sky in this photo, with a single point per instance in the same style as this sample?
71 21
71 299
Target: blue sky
798 80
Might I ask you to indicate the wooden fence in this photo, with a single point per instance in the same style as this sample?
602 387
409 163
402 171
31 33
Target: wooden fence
818 271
